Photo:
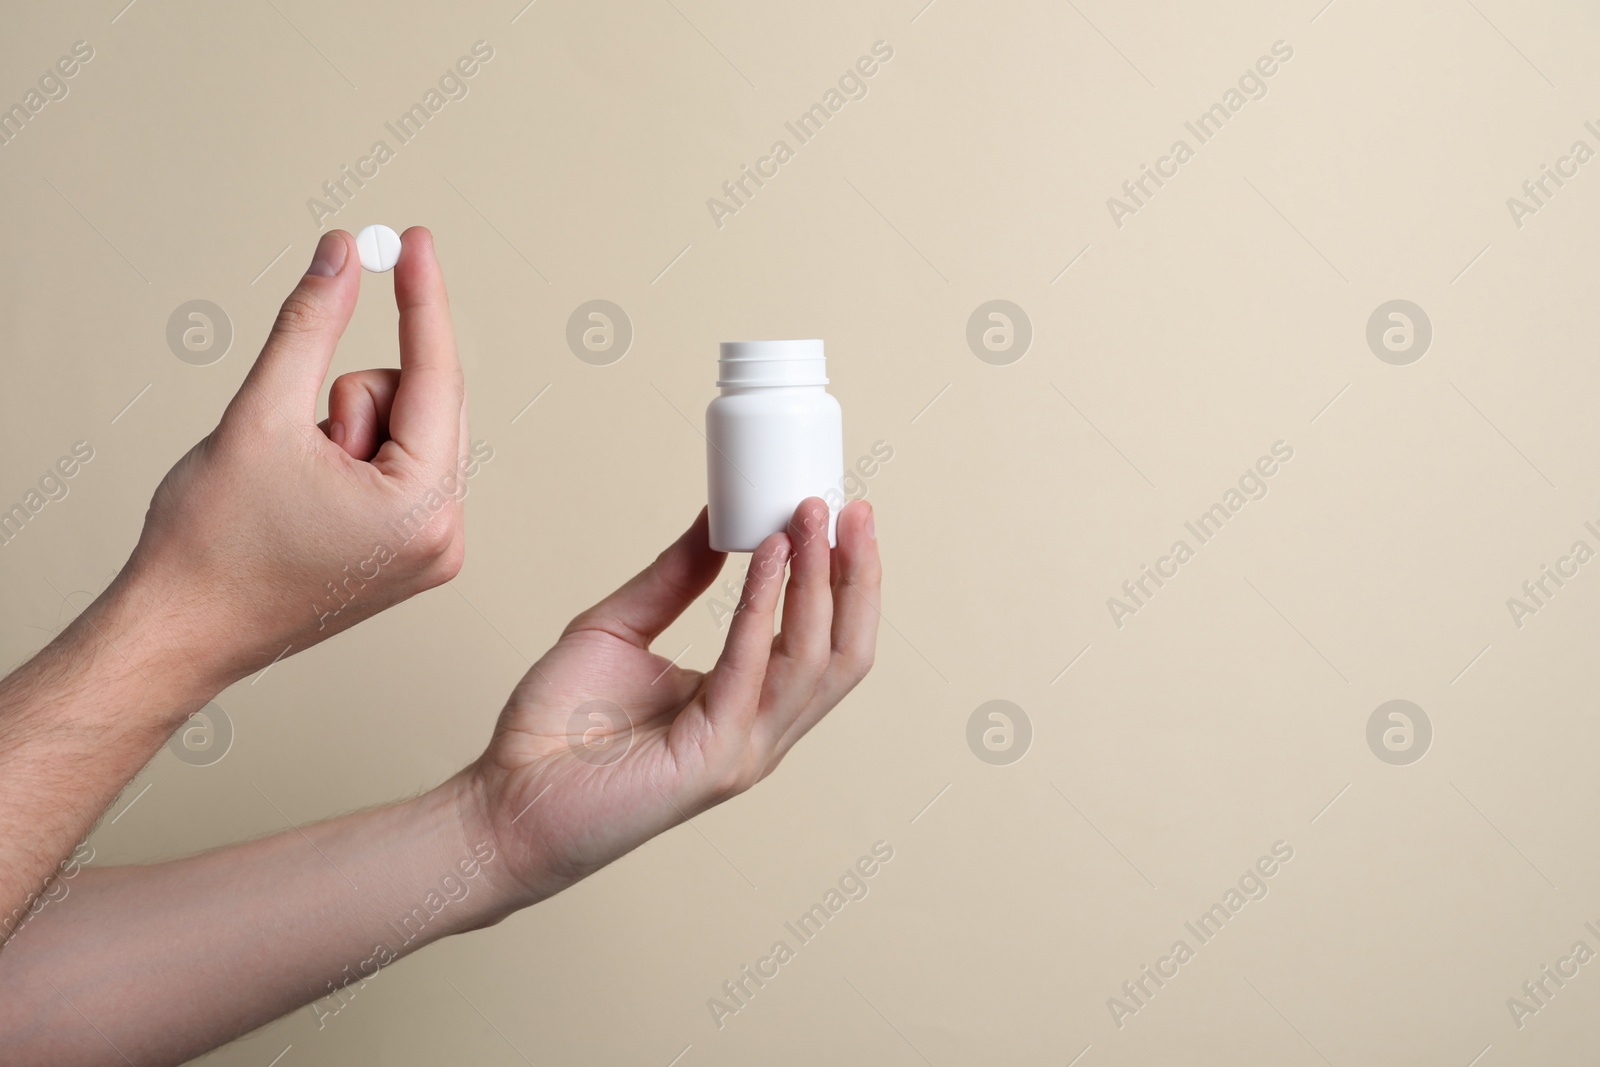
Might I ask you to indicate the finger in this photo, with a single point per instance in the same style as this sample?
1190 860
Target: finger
801 651
653 598
426 419
857 579
358 410
733 689
294 361
808 604
857 592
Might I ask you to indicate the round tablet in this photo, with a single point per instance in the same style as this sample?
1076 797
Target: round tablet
379 247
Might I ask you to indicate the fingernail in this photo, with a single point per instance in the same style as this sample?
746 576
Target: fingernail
331 252
336 432
872 533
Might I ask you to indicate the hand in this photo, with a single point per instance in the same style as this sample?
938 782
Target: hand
275 532
652 744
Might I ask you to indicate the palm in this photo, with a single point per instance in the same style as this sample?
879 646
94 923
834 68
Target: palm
604 744
584 787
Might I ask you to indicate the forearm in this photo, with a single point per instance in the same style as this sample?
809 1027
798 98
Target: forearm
169 960
77 722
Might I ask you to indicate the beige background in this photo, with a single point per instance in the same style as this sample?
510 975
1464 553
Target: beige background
1228 314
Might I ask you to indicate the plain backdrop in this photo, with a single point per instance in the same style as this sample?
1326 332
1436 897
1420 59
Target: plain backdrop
1163 751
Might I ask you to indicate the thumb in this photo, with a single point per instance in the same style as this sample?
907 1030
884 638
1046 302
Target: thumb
295 360
653 598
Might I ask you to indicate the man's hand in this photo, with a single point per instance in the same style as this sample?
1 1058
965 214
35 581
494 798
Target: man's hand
271 534
275 532
605 744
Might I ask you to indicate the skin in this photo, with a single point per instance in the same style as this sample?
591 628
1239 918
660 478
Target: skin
156 964
241 537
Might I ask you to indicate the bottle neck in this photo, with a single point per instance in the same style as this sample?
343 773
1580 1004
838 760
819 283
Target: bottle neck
768 390
770 372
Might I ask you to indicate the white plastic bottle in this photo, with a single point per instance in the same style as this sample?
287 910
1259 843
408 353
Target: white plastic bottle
774 437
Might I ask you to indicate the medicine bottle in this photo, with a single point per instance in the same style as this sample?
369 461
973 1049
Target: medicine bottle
774 437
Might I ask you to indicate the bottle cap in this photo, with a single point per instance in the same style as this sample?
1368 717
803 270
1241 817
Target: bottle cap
751 363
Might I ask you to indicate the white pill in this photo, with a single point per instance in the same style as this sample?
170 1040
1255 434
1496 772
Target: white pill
379 247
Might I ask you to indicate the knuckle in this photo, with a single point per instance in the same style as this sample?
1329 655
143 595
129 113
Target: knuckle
443 556
452 558
344 384
299 314
770 766
854 663
730 780
813 657
810 526
584 620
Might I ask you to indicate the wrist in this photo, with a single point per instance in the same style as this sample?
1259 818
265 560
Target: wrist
501 894
133 639
114 668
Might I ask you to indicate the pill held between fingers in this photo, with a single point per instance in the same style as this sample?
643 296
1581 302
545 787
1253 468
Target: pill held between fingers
379 247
